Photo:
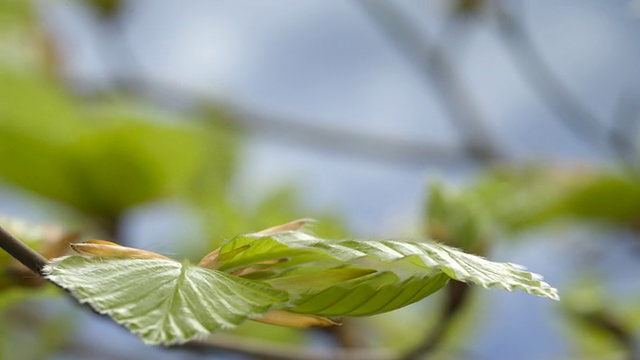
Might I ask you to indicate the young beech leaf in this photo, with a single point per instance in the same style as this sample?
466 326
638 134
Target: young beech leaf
406 259
163 301
367 295
302 279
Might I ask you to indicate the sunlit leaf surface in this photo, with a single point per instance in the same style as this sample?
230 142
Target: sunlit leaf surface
404 259
301 277
163 301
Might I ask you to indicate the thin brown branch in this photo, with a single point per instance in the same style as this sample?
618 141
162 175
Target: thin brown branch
432 62
307 133
313 134
611 325
458 294
21 252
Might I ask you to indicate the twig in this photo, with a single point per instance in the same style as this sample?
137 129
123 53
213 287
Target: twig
306 133
21 252
36 262
396 152
310 134
434 65
550 88
611 325
457 295
385 149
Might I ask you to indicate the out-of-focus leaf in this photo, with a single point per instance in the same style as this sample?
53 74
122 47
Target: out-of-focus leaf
515 200
512 200
130 162
163 301
608 197
107 8
467 7
18 49
597 324
24 319
102 161
456 220
14 9
16 295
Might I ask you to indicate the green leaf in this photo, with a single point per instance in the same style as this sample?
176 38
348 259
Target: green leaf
368 295
406 259
75 148
519 199
163 301
166 302
455 220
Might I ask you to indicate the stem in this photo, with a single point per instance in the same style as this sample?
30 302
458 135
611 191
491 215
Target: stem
457 295
614 327
21 252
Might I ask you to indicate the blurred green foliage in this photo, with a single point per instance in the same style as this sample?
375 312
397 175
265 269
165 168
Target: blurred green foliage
509 201
25 320
453 219
104 157
505 203
599 324
102 162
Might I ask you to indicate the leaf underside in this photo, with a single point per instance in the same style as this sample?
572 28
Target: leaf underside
163 301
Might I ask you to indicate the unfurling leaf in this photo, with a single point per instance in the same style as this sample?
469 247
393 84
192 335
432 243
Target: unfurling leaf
406 259
109 249
290 319
279 276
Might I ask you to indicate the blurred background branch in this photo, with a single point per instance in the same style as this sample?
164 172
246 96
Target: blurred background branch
311 134
434 65
569 110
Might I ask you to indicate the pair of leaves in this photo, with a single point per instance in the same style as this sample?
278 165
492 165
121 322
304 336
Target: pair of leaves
281 275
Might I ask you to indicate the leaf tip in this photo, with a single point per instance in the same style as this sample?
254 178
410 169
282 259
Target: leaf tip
102 248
